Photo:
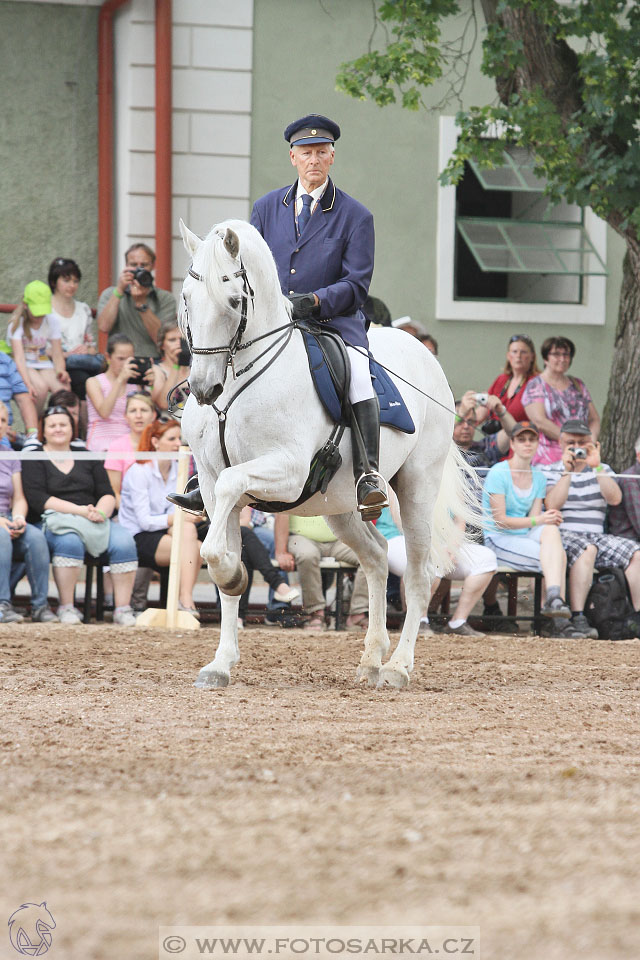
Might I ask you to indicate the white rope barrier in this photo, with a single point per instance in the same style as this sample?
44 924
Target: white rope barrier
92 455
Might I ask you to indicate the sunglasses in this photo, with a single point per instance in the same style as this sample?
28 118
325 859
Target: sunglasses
51 411
521 336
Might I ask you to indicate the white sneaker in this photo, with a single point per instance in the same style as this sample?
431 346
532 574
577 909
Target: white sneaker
69 614
125 617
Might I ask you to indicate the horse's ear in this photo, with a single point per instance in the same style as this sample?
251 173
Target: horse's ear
232 244
190 240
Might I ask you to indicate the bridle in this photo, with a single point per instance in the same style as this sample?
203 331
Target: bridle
236 344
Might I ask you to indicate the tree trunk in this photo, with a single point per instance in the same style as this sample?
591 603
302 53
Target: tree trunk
621 418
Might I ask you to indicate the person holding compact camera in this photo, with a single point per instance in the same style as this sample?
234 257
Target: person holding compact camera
107 393
471 411
582 488
134 306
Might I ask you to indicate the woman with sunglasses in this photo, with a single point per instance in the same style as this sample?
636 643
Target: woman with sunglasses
20 541
77 491
520 367
554 397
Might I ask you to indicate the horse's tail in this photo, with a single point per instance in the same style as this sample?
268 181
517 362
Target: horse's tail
457 508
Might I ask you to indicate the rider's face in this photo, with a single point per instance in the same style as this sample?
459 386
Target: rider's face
312 161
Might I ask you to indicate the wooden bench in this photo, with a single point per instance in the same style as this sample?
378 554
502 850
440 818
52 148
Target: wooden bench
442 599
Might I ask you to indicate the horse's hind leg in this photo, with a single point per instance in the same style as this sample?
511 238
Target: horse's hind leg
370 547
416 520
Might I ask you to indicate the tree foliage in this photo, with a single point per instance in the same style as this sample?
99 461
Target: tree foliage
567 78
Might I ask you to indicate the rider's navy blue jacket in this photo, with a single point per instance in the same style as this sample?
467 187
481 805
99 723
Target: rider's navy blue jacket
333 258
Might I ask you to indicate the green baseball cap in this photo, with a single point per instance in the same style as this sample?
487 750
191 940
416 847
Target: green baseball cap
37 297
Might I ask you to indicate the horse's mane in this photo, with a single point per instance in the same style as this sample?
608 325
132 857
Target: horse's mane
213 261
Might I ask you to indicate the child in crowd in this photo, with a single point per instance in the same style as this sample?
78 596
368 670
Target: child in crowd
36 344
76 324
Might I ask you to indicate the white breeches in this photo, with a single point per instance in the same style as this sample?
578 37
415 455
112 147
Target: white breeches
473 559
361 386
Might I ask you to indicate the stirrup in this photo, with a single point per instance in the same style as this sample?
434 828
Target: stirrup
378 498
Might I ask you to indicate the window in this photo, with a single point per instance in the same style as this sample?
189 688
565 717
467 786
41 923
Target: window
506 253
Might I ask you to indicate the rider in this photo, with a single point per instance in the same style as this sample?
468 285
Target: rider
322 241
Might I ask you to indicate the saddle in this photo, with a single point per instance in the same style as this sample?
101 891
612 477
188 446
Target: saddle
331 375
329 366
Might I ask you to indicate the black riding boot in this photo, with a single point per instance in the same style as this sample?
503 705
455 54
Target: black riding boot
370 487
191 500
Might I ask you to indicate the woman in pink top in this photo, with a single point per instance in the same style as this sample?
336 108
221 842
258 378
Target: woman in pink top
107 394
139 413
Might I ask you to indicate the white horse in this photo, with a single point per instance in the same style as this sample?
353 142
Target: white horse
275 425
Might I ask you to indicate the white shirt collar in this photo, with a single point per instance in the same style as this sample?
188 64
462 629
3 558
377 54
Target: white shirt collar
316 194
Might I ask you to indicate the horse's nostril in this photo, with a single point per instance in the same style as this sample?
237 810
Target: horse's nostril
217 390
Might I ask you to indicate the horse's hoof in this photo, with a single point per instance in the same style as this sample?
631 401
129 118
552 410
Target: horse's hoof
393 676
211 680
237 586
368 675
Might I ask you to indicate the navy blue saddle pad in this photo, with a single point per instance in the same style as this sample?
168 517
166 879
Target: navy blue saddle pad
393 410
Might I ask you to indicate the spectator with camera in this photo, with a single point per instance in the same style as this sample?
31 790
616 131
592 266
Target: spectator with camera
134 306
582 488
174 364
470 412
107 393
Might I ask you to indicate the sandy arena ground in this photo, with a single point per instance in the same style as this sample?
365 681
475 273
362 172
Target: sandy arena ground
501 790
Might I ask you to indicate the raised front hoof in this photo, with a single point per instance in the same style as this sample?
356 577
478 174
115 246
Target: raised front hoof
393 676
211 680
237 586
368 675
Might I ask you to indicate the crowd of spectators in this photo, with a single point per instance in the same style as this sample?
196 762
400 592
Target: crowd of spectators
532 438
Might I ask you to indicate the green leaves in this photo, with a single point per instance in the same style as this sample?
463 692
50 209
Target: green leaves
583 132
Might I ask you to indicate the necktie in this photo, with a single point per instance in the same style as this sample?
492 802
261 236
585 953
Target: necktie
305 214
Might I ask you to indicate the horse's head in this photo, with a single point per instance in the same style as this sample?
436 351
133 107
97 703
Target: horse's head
218 300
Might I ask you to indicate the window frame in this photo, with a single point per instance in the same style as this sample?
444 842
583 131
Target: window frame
592 311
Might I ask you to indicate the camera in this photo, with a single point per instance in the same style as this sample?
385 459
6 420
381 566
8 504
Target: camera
143 364
481 398
184 357
579 453
143 277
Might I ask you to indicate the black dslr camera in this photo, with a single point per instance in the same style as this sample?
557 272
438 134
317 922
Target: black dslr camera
143 277
143 364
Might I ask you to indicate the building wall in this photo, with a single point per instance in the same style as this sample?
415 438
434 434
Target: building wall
388 159
48 143
212 62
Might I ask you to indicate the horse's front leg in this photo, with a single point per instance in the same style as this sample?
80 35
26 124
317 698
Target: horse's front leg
217 673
